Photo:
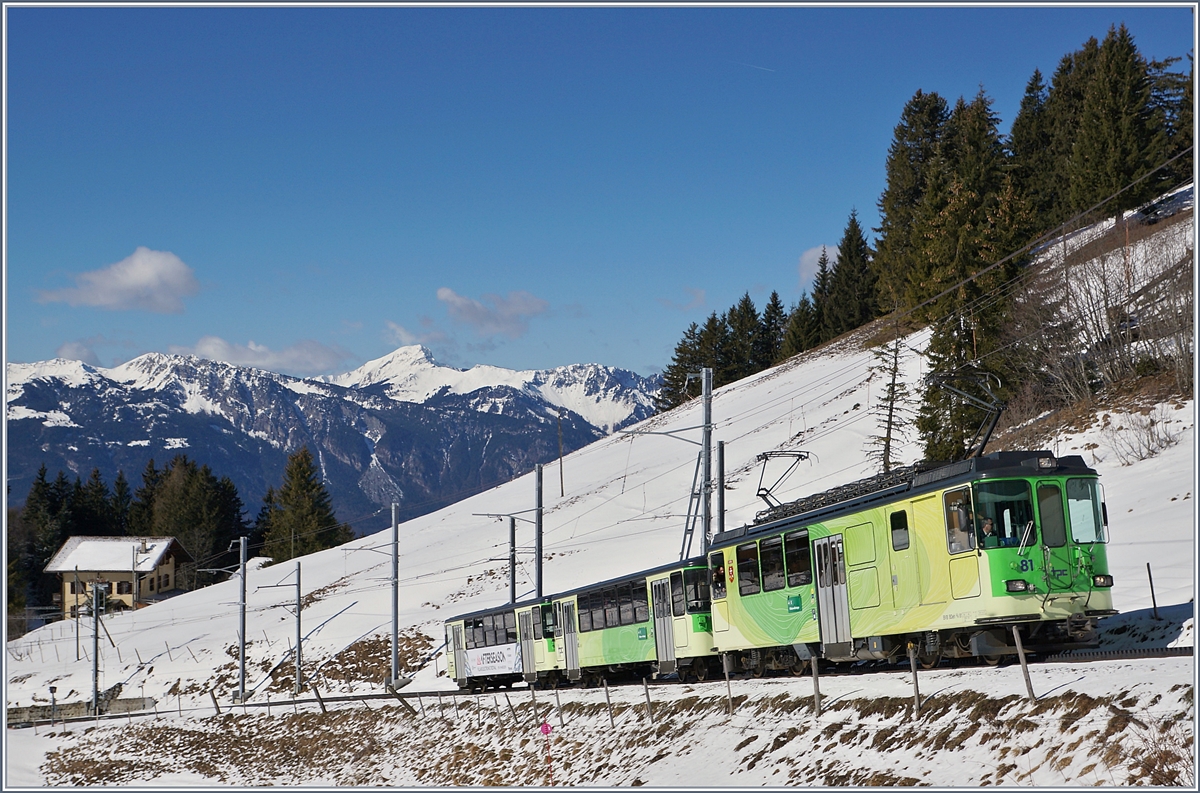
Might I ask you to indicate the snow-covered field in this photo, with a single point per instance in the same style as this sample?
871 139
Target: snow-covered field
622 508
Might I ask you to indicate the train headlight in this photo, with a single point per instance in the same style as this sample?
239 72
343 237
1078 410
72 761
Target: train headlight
1047 462
1016 586
1102 580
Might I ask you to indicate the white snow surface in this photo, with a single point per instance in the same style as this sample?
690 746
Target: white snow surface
622 510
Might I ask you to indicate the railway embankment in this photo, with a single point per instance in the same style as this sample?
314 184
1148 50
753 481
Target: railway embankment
1108 722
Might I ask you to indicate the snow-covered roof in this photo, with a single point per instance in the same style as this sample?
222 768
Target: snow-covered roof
114 554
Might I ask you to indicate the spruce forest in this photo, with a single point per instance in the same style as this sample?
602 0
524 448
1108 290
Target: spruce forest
963 211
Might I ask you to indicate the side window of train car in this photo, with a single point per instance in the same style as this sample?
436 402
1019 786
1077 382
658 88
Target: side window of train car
678 604
480 636
510 626
625 597
695 582
899 530
772 563
747 569
612 610
718 575
960 534
584 610
641 602
489 631
799 560
597 607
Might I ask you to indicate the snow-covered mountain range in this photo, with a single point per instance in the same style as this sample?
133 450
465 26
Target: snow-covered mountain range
400 428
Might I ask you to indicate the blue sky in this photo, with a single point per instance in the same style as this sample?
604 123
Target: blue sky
304 189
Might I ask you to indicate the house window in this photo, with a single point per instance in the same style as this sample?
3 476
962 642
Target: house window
71 584
151 583
124 588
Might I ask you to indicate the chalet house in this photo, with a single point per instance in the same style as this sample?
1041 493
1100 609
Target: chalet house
136 570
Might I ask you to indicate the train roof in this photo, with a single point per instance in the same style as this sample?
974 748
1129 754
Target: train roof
907 481
695 561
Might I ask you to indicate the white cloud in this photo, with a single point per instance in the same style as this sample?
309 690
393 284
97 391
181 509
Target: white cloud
78 351
146 280
306 357
396 333
506 316
808 264
697 300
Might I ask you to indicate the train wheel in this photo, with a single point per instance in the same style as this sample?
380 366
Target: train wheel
930 660
992 660
700 671
798 668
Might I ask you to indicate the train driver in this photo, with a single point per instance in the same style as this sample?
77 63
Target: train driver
987 535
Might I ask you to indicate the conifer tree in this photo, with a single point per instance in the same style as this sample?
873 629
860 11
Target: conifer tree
676 389
822 285
302 519
141 509
852 289
1030 146
910 159
770 336
742 341
1063 111
1118 140
713 349
803 329
120 503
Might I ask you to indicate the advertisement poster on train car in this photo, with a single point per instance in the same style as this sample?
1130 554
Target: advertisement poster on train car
502 659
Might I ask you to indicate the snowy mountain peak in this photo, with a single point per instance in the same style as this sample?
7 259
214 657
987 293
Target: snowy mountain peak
397 366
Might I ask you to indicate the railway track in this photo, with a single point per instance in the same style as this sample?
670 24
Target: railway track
406 697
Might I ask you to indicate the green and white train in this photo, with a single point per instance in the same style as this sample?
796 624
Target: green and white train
866 571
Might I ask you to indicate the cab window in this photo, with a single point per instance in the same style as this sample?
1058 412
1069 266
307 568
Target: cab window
799 560
1009 506
548 621
1086 509
717 571
960 534
772 564
747 569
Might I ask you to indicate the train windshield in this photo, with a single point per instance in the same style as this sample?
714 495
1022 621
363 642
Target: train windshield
1004 514
695 584
1086 510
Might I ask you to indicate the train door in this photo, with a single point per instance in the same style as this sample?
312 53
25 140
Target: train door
570 641
679 613
1059 563
833 602
928 536
525 618
664 642
906 578
460 655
